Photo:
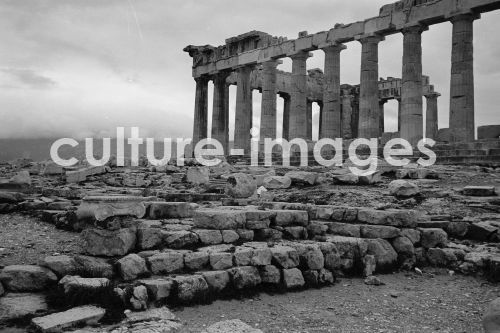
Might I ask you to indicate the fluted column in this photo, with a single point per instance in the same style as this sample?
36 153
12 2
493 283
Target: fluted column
268 108
309 119
369 109
285 134
462 123
200 110
347 116
243 117
411 85
298 98
399 115
331 122
431 116
220 111
382 116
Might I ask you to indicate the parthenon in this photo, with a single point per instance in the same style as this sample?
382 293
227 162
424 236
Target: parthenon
250 61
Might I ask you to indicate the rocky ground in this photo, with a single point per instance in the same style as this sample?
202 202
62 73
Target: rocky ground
39 218
27 240
409 302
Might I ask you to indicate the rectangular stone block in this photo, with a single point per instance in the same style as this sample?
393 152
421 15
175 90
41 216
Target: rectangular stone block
170 210
219 219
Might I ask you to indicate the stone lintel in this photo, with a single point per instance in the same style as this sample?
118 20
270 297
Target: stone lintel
299 54
369 38
463 15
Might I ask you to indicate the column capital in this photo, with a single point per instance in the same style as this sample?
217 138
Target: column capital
415 29
222 75
202 79
244 68
300 55
469 17
372 38
432 95
333 48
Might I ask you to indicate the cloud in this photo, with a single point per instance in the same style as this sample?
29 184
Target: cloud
19 77
84 67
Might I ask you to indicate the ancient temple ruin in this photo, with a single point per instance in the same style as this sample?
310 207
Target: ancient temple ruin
250 61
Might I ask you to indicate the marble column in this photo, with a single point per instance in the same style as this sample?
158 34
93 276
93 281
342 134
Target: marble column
462 123
200 111
399 115
431 116
285 134
411 85
309 119
321 109
331 122
369 109
220 111
298 98
268 108
347 116
243 117
382 116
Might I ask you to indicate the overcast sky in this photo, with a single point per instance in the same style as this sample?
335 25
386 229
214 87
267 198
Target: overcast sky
80 68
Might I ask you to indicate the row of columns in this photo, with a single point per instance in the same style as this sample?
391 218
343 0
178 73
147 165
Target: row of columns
297 117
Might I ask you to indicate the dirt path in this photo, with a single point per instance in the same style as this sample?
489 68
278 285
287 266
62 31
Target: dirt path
435 302
27 240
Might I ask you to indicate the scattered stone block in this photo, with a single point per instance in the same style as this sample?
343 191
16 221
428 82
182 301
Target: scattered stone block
245 277
302 178
94 267
109 243
22 278
56 322
457 229
433 237
198 175
292 278
166 262
277 182
76 284
61 265
131 267
481 231
139 298
479 191
403 189
369 265
441 257
240 185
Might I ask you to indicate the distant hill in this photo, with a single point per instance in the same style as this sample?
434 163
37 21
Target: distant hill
39 149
